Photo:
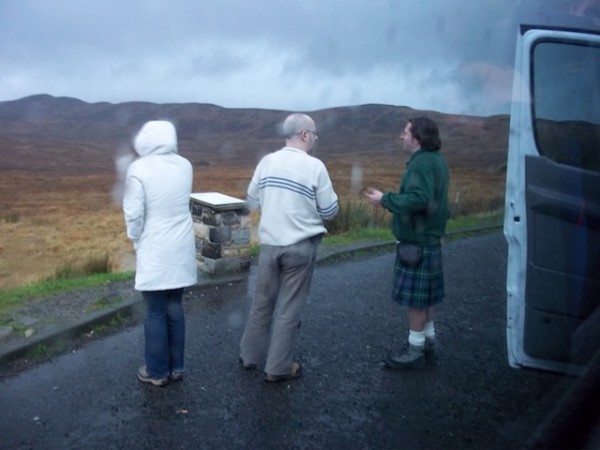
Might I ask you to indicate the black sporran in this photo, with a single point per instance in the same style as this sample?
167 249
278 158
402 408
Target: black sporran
410 255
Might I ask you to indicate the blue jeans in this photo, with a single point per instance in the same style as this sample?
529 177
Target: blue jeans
164 330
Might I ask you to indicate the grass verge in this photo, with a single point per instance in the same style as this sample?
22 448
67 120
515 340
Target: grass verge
470 224
12 298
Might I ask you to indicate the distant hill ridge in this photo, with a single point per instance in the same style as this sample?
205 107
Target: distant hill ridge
69 136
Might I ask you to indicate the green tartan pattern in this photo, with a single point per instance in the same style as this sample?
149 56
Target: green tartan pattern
421 286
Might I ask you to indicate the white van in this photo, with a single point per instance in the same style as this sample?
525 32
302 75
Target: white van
552 210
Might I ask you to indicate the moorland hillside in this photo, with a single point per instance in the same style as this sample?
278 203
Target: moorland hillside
67 136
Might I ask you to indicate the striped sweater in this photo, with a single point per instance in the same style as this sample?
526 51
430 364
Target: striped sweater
294 193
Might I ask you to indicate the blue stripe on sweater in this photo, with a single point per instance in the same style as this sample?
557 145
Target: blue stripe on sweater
284 183
329 211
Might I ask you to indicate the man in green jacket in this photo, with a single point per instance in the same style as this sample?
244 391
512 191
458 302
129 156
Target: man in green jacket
420 214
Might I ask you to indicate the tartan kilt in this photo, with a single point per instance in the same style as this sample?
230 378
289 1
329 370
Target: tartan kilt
421 286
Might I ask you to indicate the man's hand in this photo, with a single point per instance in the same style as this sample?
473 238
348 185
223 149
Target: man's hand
373 196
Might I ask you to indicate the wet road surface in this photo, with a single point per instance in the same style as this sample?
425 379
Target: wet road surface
90 397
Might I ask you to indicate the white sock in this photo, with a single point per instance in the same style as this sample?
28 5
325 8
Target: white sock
416 338
429 330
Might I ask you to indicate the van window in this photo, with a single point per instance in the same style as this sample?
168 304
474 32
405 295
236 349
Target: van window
566 105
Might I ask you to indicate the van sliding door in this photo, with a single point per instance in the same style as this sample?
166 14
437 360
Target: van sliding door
552 222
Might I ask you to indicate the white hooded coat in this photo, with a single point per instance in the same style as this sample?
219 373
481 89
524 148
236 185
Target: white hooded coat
157 215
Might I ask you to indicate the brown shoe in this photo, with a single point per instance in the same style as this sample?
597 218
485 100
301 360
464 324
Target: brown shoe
295 373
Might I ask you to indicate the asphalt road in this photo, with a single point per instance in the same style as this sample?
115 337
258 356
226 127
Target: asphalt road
90 397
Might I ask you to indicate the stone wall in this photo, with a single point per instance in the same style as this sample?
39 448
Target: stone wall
222 236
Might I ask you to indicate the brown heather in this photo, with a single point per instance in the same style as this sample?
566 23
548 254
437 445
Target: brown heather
49 223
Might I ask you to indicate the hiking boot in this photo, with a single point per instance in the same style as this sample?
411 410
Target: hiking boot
430 354
145 377
411 357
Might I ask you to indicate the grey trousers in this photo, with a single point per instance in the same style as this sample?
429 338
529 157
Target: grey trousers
283 280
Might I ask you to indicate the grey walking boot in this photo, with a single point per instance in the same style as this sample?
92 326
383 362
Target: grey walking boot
411 357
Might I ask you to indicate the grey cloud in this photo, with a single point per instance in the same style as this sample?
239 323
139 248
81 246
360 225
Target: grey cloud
302 54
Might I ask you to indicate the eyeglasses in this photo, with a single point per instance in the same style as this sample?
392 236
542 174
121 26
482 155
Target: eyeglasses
404 133
310 131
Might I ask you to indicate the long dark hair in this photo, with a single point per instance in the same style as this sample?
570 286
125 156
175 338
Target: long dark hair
426 131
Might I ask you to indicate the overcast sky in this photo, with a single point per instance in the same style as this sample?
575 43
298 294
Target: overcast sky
445 55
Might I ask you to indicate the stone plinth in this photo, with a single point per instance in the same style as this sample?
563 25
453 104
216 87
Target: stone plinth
222 230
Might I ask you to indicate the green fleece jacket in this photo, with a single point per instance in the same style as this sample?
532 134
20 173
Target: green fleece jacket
421 207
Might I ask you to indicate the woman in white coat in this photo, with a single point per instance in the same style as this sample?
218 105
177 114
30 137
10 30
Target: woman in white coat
158 220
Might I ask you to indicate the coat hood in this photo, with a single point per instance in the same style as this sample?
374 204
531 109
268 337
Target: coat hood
157 137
